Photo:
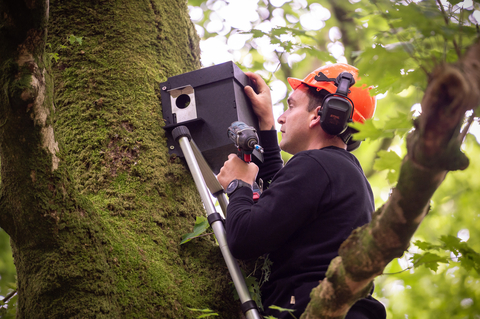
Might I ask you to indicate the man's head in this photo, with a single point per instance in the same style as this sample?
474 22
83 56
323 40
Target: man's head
301 123
331 85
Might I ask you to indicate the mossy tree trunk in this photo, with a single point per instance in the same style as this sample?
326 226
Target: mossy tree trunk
94 205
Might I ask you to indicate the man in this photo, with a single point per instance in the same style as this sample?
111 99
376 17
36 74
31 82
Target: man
313 203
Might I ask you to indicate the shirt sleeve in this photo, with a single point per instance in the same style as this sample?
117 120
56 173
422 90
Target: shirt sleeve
292 200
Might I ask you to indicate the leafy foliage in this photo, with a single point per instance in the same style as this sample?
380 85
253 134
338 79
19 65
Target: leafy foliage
205 312
72 40
201 225
7 278
388 160
8 306
290 311
464 254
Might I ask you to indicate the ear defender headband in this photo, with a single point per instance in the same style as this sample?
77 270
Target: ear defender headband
337 108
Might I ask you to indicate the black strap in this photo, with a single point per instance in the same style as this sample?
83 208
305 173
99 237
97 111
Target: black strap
247 305
214 217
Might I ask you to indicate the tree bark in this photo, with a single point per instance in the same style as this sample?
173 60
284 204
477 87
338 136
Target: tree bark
433 150
93 204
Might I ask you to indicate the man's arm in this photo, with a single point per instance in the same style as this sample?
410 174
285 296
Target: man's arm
262 107
290 202
272 159
261 101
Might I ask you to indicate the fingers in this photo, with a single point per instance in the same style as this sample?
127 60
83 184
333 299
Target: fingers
258 82
261 101
251 94
235 168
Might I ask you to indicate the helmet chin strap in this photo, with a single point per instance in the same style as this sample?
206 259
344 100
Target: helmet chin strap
346 137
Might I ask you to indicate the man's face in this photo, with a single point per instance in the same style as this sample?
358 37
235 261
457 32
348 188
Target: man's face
295 122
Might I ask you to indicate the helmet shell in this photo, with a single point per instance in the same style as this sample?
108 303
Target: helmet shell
364 104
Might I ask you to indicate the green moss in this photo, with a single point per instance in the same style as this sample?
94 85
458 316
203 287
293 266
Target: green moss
123 248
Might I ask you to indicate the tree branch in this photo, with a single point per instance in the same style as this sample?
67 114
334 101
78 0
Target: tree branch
9 296
445 17
433 150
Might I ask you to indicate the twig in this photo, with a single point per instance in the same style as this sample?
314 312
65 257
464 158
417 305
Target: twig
418 263
445 17
10 295
203 235
462 135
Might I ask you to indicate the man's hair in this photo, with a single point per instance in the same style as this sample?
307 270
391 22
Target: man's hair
316 97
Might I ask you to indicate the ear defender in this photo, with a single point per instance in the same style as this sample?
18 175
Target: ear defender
337 108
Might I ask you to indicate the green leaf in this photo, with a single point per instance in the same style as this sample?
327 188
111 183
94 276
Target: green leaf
319 54
71 39
424 245
468 257
201 225
454 2
392 176
393 60
402 122
387 160
254 289
429 260
208 315
207 312
54 56
450 242
368 130
281 309
200 310
256 33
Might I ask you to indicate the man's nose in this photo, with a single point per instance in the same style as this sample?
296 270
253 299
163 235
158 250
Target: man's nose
281 119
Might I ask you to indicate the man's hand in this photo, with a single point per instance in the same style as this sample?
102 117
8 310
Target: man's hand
235 168
261 102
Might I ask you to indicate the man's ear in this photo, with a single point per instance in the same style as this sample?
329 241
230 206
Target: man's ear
316 119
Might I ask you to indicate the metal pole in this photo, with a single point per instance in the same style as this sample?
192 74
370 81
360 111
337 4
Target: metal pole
222 200
217 225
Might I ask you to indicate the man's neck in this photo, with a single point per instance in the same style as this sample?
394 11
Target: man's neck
326 142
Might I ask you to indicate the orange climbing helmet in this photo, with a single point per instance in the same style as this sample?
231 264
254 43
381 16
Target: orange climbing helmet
364 104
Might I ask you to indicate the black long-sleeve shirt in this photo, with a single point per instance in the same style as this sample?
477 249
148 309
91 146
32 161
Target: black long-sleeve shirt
311 206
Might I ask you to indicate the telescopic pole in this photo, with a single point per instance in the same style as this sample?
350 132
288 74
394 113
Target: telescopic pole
182 135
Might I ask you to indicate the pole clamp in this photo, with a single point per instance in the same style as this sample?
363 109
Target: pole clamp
248 305
214 217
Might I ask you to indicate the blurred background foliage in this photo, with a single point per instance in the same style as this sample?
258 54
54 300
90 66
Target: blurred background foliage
7 278
395 45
